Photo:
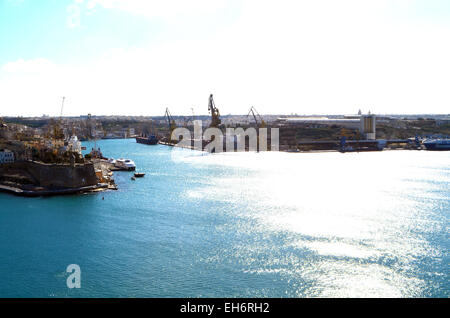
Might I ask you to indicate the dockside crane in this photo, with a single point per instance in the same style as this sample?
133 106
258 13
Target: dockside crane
171 123
60 124
62 107
58 132
256 115
214 111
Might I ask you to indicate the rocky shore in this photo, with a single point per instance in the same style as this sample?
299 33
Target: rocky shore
30 178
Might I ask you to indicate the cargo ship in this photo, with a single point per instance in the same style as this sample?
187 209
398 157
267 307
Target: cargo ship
149 140
437 144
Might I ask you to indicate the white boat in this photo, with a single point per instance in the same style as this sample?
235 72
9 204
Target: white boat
125 164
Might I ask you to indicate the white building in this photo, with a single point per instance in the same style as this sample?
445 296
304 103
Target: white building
74 144
6 156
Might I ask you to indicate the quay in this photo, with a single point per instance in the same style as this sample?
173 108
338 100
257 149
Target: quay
316 145
39 191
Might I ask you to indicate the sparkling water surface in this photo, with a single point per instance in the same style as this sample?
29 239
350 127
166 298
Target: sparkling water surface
369 224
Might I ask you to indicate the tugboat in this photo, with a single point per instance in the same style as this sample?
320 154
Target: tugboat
437 144
149 140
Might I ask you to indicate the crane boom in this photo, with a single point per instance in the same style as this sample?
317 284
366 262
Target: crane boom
58 131
254 116
255 113
215 114
62 107
169 117
170 121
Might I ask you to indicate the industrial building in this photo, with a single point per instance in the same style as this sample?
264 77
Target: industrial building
366 124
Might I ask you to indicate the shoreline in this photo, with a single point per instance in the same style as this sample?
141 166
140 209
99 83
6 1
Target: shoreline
53 192
34 179
167 144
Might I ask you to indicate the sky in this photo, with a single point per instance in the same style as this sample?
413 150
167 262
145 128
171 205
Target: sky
137 57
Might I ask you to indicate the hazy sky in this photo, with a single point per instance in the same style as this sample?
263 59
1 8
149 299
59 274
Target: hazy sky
136 57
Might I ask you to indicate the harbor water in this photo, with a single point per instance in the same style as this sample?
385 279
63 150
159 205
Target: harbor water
371 224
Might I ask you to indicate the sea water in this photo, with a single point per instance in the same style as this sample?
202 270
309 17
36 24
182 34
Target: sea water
270 224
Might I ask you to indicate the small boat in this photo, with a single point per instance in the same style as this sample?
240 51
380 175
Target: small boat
133 178
125 164
139 174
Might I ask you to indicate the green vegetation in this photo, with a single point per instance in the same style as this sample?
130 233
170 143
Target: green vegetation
49 156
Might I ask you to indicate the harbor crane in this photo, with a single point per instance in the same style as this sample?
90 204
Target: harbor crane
60 124
171 123
256 115
62 107
89 126
58 133
214 111
187 119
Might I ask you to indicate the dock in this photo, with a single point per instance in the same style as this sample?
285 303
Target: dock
51 192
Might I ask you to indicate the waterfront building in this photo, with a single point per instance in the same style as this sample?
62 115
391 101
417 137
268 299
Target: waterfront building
322 121
366 124
74 144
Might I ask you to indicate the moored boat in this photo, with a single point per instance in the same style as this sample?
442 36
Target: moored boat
437 144
125 164
149 140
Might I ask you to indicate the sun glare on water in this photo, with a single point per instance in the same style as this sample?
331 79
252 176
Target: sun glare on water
356 216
